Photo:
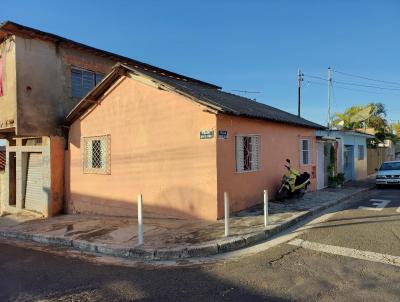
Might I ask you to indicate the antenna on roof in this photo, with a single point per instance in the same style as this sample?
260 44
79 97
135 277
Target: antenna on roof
247 92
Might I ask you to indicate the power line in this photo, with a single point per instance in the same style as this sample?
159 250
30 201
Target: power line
364 85
365 78
318 83
308 82
354 83
366 91
315 77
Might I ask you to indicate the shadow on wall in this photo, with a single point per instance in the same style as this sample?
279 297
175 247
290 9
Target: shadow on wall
162 206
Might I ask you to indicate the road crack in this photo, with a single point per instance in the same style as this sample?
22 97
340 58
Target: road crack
271 262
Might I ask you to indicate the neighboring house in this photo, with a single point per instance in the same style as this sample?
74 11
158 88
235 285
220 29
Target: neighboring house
42 77
351 148
181 144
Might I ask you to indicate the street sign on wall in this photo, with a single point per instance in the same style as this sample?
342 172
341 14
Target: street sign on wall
206 134
222 134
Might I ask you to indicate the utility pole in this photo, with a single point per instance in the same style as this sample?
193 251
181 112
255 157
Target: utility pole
299 79
329 96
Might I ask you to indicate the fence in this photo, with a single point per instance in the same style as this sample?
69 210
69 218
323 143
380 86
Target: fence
375 157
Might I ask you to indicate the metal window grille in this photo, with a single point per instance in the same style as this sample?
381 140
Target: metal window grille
305 151
247 153
96 154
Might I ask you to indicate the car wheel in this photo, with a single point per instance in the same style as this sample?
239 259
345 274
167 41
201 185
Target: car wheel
379 186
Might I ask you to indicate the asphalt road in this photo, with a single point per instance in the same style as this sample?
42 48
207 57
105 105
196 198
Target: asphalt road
285 272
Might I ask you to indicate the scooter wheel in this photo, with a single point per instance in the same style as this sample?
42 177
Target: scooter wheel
283 194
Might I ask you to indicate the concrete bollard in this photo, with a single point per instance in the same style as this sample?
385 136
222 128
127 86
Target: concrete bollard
140 218
226 207
265 208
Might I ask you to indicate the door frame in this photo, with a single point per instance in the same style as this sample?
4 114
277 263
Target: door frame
346 148
321 170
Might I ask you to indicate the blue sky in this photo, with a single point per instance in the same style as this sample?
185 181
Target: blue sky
244 45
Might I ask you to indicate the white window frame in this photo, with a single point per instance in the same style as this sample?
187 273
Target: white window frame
254 154
309 150
361 147
87 155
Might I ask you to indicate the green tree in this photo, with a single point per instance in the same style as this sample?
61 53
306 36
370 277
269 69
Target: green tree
396 129
348 119
372 115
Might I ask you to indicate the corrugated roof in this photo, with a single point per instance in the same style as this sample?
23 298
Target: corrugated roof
237 105
216 99
344 132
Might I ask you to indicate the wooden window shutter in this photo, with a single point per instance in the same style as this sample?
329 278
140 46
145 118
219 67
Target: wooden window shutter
309 151
301 152
239 154
255 162
305 151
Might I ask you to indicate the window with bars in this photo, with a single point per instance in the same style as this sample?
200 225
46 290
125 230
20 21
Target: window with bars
361 152
247 153
305 151
96 154
82 81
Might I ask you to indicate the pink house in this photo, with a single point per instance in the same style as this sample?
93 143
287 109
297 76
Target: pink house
182 144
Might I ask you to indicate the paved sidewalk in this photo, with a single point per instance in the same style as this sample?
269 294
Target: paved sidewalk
172 238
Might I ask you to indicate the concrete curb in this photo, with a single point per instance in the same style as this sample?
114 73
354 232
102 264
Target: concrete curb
200 250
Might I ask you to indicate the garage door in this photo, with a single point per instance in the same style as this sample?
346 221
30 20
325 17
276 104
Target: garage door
34 183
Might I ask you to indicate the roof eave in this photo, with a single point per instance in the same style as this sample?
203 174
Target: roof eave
316 127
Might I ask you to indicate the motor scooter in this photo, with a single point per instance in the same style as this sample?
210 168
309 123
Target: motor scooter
293 184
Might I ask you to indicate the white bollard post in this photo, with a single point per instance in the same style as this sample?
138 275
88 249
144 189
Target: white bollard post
265 208
140 218
226 207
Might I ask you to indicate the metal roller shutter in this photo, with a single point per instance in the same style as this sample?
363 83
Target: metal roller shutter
34 183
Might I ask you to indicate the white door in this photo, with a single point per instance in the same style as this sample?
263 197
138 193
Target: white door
34 183
320 166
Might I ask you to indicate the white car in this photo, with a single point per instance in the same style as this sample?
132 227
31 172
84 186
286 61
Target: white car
388 174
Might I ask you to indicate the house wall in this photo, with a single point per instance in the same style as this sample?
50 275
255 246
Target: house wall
354 139
57 147
37 97
9 99
360 166
155 150
44 83
278 142
43 204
